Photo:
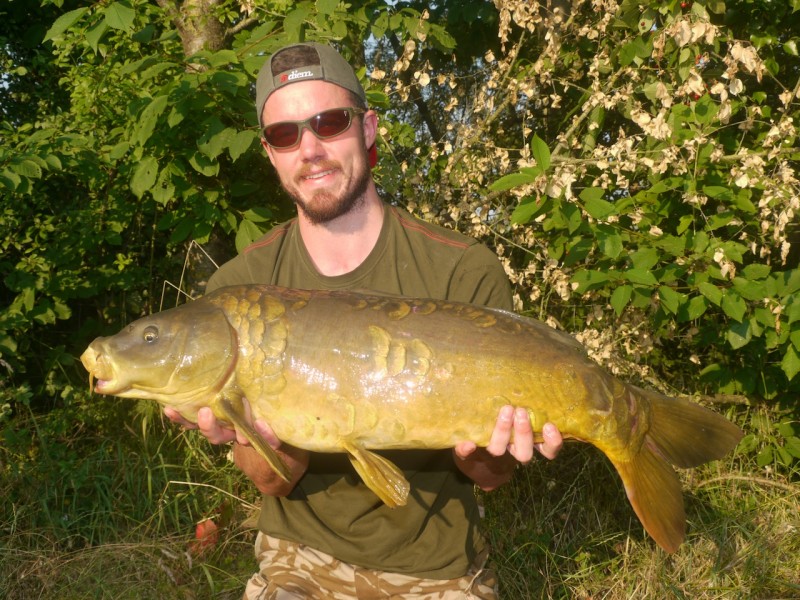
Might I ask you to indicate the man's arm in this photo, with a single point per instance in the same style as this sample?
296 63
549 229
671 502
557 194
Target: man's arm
245 456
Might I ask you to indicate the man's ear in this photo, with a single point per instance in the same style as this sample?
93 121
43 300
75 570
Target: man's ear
370 126
268 149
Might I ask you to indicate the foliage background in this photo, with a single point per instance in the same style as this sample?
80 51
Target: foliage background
633 163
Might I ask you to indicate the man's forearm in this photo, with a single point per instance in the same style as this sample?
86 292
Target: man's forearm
263 476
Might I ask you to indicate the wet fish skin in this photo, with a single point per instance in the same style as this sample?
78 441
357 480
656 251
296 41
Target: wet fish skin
352 372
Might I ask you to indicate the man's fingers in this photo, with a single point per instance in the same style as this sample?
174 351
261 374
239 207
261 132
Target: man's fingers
174 416
211 429
464 449
501 435
522 446
552 443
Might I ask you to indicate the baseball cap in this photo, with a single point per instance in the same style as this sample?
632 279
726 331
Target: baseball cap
312 61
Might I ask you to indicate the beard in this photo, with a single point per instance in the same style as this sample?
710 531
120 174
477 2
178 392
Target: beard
324 206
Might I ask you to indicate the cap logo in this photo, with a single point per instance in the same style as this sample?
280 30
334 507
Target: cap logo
295 74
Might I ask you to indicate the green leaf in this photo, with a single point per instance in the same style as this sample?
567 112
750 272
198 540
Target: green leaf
790 362
248 233
610 242
764 457
710 291
327 7
784 457
670 299
756 271
693 309
223 58
163 191
786 429
644 258
749 290
733 305
258 214
748 443
293 23
9 179
739 334
620 298
215 139
144 177
588 280
528 209
513 180
540 152
640 276
63 23
595 205
794 337
204 165
792 446
28 168
148 118
119 15
182 231
95 34
240 143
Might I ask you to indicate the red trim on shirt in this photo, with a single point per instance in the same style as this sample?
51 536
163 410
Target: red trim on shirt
420 228
268 240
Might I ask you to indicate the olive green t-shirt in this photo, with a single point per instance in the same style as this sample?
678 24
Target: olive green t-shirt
436 534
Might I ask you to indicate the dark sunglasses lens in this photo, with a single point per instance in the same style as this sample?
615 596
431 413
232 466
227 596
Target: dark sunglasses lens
282 135
330 123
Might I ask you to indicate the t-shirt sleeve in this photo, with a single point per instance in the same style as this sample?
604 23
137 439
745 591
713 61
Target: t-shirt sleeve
479 278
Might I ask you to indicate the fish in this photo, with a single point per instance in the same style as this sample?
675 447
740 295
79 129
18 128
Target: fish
359 372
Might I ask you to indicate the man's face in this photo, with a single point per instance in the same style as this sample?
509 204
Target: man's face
326 178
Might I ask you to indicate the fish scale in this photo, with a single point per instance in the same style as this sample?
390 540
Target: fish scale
340 371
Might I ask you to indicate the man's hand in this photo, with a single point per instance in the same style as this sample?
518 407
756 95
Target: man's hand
494 465
244 455
208 425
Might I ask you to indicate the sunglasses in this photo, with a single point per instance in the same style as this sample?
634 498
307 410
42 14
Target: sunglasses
324 125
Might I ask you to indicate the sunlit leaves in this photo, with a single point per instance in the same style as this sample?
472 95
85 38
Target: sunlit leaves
144 176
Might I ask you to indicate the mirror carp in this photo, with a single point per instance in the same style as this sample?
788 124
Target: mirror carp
341 371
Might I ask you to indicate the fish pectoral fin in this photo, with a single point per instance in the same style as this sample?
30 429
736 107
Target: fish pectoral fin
379 474
261 446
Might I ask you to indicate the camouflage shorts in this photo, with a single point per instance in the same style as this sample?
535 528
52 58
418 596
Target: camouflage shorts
293 571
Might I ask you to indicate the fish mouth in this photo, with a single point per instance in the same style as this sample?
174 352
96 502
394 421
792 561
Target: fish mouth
101 374
107 386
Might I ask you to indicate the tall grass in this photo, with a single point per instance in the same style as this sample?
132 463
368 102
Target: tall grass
564 529
105 506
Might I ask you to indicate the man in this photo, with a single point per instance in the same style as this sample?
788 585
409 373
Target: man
324 534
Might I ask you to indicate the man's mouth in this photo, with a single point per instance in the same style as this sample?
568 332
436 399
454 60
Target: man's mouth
318 175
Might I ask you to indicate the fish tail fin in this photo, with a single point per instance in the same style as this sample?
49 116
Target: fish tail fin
680 433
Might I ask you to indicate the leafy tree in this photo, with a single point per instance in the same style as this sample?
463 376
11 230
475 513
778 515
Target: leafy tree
634 163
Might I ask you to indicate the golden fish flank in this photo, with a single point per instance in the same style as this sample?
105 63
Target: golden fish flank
350 372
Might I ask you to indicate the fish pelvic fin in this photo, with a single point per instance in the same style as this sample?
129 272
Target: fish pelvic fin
379 474
260 445
679 433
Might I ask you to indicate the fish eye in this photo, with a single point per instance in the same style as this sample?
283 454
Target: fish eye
150 334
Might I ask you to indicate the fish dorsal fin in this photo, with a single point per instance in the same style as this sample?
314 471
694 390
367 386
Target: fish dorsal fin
379 474
266 451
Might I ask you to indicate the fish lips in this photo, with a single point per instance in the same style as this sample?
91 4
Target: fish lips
101 374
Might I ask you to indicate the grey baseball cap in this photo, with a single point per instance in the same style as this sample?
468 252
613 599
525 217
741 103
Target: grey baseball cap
319 61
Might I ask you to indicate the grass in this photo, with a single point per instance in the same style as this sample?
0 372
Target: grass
95 509
564 529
